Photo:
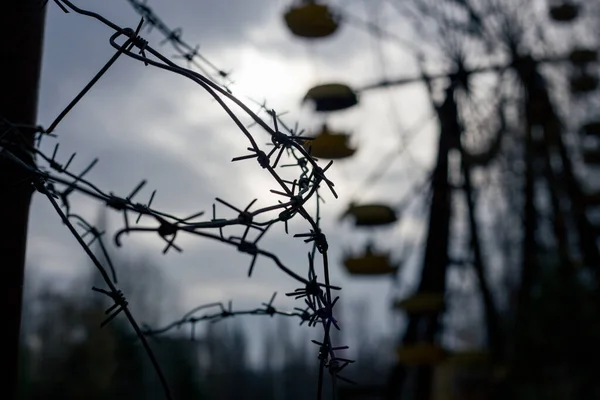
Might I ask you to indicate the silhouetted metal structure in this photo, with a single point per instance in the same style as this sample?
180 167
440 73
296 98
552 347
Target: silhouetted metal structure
21 33
424 327
546 161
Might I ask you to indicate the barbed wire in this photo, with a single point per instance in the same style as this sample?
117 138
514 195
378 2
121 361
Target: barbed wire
268 309
175 37
194 57
57 182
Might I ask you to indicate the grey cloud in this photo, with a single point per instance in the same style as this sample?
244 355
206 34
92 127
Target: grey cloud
214 23
128 119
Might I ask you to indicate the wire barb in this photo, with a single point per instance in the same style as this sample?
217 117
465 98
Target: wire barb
58 183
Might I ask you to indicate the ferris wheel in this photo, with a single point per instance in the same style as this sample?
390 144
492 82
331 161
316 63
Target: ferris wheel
313 21
496 74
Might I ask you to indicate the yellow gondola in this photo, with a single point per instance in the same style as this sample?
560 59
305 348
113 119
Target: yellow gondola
311 20
584 83
421 303
331 97
329 145
591 128
371 214
592 157
420 354
566 11
581 57
370 263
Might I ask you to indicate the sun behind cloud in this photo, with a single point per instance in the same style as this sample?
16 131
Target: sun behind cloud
264 75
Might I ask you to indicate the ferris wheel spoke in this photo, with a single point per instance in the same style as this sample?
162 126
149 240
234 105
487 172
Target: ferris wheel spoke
373 29
387 161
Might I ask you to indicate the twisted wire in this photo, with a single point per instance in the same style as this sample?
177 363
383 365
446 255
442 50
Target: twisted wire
57 182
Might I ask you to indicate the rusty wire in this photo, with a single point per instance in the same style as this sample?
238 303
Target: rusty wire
57 182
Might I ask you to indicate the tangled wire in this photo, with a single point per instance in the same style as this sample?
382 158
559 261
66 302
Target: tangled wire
57 182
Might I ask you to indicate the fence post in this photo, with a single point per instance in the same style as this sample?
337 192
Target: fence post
21 36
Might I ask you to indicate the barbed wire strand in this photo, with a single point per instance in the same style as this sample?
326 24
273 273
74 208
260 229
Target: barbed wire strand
120 304
189 52
319 302
268 309
175 37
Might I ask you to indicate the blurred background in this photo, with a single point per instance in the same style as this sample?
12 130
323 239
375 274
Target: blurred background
465 139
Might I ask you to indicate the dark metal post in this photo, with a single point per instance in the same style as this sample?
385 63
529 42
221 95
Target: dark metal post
436 258
21 33
492 318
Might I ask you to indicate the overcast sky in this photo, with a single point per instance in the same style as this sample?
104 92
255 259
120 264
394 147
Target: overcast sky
145 123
